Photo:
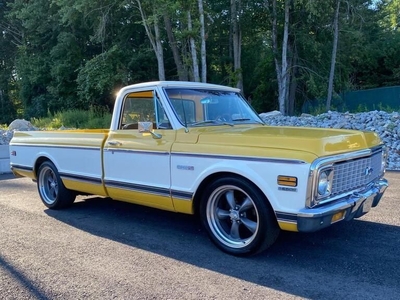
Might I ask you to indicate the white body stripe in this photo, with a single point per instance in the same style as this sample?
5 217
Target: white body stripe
74 161
263 174
143 168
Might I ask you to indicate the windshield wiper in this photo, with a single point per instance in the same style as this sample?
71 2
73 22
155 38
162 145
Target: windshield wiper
247 119
211 122
241 119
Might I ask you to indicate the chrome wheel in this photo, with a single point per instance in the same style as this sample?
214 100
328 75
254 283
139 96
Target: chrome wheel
48 185
232 216
51 188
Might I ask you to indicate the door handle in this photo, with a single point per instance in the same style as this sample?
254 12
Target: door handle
114 143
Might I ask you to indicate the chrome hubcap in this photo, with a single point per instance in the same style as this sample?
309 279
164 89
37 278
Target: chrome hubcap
232 216
48 185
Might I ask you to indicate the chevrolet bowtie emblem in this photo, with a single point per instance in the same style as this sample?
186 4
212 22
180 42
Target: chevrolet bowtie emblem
368 171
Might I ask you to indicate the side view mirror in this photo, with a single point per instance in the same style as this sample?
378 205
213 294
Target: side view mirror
147 127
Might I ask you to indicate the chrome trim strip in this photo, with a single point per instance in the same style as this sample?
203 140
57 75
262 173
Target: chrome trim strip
149 152
129 186
137 187
182 195
286 221
246 158
316 164
82 178
286 217
57 146
21 167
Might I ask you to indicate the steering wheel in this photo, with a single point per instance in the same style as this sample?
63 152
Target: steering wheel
223 118
130 126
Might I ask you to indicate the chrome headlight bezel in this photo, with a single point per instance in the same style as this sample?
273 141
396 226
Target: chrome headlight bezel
322 176
385 154
323 187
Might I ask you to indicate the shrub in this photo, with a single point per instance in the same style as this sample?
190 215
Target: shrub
94 118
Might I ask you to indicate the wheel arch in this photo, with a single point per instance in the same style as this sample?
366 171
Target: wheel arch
210 178
39 161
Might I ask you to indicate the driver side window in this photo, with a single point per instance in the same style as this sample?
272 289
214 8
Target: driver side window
143 107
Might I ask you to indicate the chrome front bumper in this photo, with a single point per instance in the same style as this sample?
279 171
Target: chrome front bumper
352 206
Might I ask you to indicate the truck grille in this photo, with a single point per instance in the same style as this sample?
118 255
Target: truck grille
354 174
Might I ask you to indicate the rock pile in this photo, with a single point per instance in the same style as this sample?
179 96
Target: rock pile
386 125
5 136
21 125
18 124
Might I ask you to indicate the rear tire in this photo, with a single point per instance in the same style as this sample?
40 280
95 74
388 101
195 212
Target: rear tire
237 217
51 189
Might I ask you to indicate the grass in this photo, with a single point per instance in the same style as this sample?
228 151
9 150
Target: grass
94 118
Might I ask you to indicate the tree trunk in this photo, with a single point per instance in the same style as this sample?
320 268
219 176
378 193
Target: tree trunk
293 84
203 43
275 45
182 72
193 50
284 72
237 42
154 41
159 53
333 59
281 66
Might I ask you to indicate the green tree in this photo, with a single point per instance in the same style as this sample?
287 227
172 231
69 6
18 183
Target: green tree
9 39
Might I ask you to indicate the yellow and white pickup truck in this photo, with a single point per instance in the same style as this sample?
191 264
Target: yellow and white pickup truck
198 148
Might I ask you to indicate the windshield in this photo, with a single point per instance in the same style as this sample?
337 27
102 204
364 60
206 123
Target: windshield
199 107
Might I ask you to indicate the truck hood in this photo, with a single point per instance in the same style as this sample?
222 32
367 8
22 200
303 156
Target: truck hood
316 141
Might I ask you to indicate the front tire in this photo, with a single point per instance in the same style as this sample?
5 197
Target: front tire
237 217
51 189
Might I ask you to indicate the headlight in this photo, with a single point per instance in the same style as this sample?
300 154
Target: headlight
324 184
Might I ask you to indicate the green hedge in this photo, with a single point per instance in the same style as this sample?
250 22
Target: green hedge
94 118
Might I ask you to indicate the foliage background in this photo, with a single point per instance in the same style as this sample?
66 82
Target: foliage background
58 55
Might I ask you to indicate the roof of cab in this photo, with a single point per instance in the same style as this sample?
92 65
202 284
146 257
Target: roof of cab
181 84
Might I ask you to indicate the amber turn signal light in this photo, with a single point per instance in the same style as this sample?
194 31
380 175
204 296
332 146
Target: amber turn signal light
287 180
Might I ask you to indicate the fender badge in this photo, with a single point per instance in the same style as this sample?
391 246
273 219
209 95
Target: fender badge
187 168
287 189
13 153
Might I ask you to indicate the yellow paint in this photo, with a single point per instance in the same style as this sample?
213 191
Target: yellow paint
183 206
73 138
24 173
288 226
273 142
86 187
134 140
145 94
160 202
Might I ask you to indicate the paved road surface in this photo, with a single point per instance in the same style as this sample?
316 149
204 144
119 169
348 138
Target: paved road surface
103 249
